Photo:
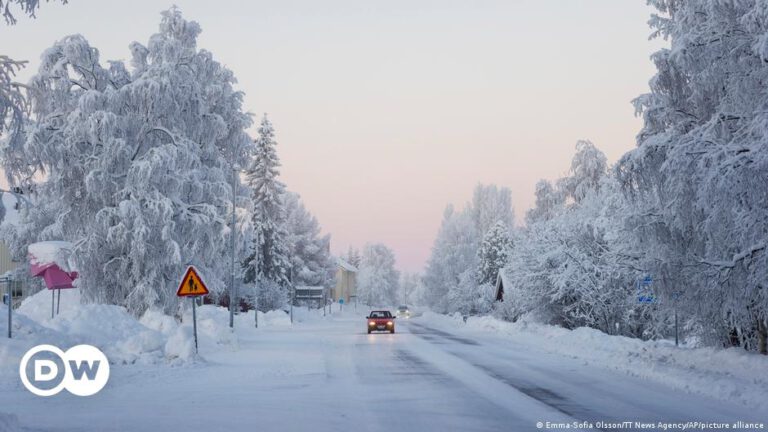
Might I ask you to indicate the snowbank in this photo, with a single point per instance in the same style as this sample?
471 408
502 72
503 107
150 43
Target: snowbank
154 338
726 374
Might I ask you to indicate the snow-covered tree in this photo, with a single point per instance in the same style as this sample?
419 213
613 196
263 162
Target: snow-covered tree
310 253
26 7
13 104
377 278
548 203
700 169
493 253
410 288
491 204
570 265
453 253
353 256
131 166
268 264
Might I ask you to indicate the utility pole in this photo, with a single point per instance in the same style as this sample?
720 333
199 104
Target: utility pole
256 306
676 334
10 307
232 294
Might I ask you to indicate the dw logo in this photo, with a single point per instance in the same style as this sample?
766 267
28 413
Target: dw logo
83 370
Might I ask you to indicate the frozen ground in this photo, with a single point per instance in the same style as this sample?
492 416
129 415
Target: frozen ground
327 374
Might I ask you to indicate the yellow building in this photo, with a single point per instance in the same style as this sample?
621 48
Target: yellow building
346 282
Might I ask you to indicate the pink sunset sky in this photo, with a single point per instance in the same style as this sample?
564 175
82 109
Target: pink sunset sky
386 111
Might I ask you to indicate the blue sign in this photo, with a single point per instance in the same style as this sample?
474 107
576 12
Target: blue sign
341 301
644 293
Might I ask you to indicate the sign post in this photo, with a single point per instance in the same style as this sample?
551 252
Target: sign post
10 307
192 286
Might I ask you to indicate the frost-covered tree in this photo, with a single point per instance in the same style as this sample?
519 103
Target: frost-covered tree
13 104
453 253
130 166
353 256
410 288
548 202
493 253
268 264
700 169
491 204
570 265
26 7
377 278
309 251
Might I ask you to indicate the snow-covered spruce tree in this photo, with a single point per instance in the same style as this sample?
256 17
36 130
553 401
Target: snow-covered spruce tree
132 164
268 264
701 166
493 253
377 279
310 253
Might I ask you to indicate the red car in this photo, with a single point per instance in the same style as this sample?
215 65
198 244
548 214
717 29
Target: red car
380 321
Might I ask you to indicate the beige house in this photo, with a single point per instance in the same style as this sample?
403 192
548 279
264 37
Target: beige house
9 214
346 282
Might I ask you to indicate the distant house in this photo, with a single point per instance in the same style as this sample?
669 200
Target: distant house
346 281
9 215
501 282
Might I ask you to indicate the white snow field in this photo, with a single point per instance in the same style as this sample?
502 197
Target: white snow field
327 374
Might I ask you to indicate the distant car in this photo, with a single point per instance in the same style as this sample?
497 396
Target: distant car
381 320
403 311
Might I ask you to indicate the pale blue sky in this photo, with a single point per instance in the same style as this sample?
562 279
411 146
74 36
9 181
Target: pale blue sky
388 110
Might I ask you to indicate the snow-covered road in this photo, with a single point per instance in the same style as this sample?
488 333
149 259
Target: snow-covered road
328 375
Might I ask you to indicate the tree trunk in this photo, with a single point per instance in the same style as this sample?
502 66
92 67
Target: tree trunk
762 335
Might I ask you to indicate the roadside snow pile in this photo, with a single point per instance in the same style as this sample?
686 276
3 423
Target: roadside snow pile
727 374
110 328
155 338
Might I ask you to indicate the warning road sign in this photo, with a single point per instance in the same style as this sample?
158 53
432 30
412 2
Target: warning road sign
191 284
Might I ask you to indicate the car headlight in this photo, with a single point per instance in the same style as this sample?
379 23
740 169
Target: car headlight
389 322
371 323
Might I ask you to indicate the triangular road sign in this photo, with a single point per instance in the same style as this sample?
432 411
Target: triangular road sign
191 284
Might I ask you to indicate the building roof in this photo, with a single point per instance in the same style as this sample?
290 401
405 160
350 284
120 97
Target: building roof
344 264
501 282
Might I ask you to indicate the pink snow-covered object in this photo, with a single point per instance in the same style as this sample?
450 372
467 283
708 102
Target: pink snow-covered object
50 261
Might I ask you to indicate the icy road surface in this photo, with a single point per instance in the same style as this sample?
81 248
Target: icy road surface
328 375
